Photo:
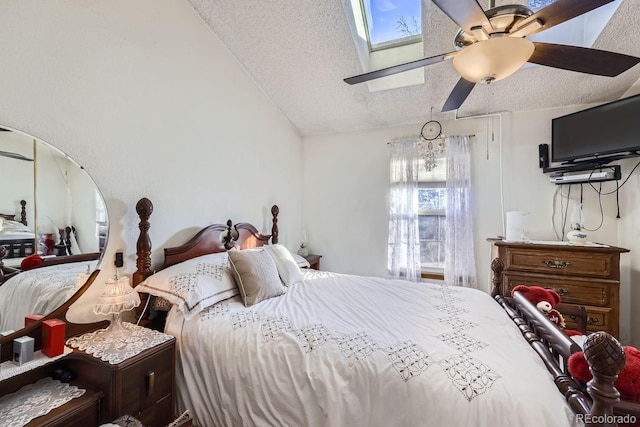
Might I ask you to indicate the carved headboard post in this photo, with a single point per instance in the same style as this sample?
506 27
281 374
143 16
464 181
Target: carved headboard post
496 277
275 210
144 208
3 253
23 212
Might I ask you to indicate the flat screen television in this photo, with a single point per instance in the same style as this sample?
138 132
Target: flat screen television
598 132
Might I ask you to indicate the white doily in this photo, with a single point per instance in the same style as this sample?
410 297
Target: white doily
9 369
35 400
119 348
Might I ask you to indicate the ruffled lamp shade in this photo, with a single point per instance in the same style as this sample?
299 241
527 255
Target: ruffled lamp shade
117 297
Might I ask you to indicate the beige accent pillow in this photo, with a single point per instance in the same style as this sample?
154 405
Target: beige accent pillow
256 275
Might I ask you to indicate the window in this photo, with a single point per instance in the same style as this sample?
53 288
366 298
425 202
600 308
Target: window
392 23
432 204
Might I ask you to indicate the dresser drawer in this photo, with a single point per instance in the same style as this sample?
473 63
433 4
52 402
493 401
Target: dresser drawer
598 319
576 291
561 262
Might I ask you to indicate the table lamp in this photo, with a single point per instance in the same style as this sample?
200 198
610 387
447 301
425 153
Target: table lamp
117 297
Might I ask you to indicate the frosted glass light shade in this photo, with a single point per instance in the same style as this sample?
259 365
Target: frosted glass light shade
492 59
117 297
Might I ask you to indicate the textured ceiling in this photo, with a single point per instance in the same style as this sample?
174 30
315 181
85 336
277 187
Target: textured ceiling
299 52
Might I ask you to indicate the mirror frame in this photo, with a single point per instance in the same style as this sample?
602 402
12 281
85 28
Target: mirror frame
71 329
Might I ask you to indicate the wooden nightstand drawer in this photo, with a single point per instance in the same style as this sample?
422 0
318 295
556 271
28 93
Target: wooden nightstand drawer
583 264
147 382
576 291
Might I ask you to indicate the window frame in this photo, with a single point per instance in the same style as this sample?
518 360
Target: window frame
426 272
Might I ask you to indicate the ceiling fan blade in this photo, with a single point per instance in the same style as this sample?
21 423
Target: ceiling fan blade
398 68
465 13
458 95
559 12
15 156
582 59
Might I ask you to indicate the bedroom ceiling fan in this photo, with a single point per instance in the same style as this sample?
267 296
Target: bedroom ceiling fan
492 45
15 156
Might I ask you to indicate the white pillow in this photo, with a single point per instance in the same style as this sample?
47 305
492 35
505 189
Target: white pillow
301 261
288 269
8 225
195 284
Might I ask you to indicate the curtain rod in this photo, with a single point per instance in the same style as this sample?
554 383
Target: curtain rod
470 135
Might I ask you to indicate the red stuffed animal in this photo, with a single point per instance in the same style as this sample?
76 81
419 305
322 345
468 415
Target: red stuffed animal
628 382
545 300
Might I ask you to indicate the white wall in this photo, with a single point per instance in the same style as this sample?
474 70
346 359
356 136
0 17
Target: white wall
345 204
19 173
146 98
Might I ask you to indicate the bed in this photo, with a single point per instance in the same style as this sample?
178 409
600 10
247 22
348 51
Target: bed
15 235
42 290
337 349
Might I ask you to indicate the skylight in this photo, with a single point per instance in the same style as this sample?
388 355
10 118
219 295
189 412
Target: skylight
392 23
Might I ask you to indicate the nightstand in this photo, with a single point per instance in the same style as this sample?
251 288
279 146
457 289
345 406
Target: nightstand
314 261
142 385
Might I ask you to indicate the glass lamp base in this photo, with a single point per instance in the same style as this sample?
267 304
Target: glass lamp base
116 327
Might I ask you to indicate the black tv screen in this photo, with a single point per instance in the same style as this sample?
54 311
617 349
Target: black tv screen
607 129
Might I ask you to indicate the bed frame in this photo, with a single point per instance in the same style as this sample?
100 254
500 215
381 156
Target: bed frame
18 247
598 399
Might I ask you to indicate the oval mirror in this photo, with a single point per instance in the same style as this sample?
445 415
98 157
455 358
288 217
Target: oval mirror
53 228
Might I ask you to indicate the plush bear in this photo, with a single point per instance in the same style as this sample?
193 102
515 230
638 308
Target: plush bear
628 382
31 262
545 300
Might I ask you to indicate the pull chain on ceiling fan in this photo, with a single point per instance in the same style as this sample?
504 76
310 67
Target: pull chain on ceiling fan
491 45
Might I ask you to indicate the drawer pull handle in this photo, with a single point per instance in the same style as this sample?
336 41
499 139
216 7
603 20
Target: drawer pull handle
592 320
151 382
552 263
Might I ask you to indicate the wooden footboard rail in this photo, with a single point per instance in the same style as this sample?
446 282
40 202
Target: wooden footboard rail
603 353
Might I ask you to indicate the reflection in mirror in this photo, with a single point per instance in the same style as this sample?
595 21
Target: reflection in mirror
53 228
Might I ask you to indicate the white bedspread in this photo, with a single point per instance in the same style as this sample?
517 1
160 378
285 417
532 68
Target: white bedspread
339 350
38 291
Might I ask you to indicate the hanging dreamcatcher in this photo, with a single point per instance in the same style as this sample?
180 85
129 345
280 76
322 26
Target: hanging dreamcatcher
431 143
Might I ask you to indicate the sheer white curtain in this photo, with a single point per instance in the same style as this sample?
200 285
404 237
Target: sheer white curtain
403 259
459 266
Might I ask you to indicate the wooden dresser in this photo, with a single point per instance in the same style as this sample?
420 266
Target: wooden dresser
581 275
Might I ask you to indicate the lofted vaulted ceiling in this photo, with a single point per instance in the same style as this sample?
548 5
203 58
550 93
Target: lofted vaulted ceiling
299 52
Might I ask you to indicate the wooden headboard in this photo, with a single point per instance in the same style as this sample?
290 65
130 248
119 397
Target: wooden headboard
211 239
23 213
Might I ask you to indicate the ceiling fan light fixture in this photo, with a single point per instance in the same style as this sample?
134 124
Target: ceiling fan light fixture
492 59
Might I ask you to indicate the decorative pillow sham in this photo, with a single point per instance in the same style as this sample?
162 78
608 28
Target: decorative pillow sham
287 267
256 275
193 285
